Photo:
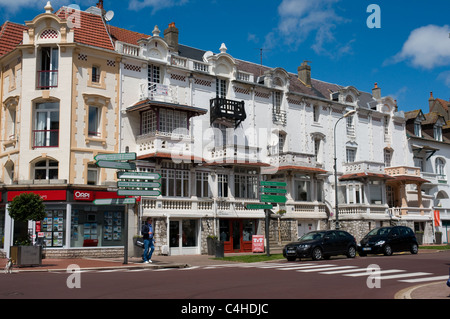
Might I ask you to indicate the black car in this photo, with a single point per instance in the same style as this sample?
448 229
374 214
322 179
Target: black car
321 244
387 240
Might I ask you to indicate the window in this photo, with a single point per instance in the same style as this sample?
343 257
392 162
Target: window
351 155
170 120
174 183
376 191
95 74
246 185
316 114
277 102
222 182
438 133
440 167
419 162
45 170
350 194
148 122
48 74
417 129
11 123
92 174
302 188
94 121
350 126
387 158
203 188
46 133
154 75
221 88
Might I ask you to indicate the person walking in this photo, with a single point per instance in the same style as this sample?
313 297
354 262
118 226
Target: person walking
149 248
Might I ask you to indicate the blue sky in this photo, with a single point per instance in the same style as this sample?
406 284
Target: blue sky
408 56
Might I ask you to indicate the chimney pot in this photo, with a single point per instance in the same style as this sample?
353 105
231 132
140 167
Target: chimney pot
376 92
171 37
304 73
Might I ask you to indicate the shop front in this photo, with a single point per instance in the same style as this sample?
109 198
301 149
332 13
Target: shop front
184 237
236 234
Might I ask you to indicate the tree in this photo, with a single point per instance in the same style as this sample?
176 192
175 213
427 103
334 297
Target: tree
26 207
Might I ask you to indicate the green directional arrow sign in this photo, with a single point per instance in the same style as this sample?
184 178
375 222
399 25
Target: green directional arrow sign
117 165
273 191
116 157
258 206
115 201
128 192
274 184
138 175
138 184
273 199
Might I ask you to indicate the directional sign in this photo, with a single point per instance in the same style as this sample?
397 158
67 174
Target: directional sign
126 192
117 165
258 206
139 184
273 191
274 184
116 157
138 175
115 201
273 199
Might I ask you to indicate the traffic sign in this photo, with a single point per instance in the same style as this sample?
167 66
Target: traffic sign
115 201
273 191
274 184
116 157
273 199
128 192
258 206
117 165
139 184
138 175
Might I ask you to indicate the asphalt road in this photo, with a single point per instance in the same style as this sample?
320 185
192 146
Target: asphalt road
337 278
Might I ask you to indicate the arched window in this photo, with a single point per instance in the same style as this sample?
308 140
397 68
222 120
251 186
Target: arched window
46 169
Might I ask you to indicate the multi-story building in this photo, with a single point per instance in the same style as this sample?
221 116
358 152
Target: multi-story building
211 125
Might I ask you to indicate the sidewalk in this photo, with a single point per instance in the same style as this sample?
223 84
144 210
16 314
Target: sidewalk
435 290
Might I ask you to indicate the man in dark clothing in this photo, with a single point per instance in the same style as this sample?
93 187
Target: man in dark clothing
147 233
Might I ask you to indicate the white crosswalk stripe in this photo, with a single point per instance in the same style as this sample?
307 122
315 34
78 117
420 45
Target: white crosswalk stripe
437 278
414 274
374 273
328 268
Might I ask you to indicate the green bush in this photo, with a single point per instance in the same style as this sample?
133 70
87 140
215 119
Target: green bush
27 206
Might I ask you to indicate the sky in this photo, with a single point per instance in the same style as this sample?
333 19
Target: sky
403 46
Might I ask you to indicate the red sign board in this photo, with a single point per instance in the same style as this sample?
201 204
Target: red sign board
90 196
47 196
258 243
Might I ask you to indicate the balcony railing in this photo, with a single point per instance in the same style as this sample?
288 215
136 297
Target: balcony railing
45 138
228 109
47 79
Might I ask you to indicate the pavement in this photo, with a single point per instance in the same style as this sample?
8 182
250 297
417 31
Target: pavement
435 290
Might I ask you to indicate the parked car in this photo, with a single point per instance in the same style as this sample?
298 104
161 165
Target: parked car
321 244
387 240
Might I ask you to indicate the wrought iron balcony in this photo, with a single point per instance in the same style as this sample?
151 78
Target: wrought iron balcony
228 109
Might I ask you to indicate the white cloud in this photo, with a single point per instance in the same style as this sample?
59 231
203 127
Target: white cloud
300 19
155 4
427 47
445 76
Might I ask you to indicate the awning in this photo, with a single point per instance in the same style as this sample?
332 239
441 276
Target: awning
360 176
149 104
182 157
271 169
409 179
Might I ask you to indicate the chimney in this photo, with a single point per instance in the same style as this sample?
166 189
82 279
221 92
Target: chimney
100 4
171 37
431 101
304 73
376 92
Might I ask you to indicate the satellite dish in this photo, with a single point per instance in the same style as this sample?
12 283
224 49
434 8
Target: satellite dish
109 15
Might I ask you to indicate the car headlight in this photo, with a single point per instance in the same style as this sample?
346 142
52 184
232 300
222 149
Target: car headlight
305 246
380 243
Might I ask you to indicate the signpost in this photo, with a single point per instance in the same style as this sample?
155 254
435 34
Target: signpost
273 199
258 206
115 201
116 165
138 184
131 192
116 157
138 175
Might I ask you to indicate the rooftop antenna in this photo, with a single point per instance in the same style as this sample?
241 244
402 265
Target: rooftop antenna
261 57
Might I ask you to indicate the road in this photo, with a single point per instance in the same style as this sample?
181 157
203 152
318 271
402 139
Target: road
337 278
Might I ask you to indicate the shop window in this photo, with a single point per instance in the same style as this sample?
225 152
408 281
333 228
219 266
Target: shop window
97 226
46 169
183 234
53 227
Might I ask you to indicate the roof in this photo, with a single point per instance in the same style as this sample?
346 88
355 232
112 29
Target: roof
359 176
127 36
147 104
11 35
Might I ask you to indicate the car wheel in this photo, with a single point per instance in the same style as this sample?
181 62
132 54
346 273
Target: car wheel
317 254
414 249
351 253
387 250
291 258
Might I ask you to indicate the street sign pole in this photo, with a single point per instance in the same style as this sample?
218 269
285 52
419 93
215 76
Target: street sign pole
267 211
125 252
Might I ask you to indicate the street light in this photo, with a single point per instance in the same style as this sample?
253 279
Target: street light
350 113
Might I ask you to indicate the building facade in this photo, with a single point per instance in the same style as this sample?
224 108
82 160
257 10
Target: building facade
212 126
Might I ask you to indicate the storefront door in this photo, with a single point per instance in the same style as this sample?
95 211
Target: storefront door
237 235
183 237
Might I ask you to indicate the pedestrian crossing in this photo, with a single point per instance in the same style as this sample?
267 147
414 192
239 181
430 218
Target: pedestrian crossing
350 271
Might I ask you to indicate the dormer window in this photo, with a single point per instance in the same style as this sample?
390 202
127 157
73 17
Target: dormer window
417 128
437 132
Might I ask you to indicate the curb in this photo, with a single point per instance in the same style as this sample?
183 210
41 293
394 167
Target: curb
137 266
407 292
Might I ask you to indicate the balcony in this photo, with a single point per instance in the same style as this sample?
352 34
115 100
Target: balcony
47 79
45 138
222 108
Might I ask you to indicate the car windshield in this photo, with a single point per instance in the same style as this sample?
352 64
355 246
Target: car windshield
312 236
379 231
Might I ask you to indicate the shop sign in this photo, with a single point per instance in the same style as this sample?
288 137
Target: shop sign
87 196
47 196
258 243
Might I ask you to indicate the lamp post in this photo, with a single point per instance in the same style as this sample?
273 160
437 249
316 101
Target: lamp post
335 168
